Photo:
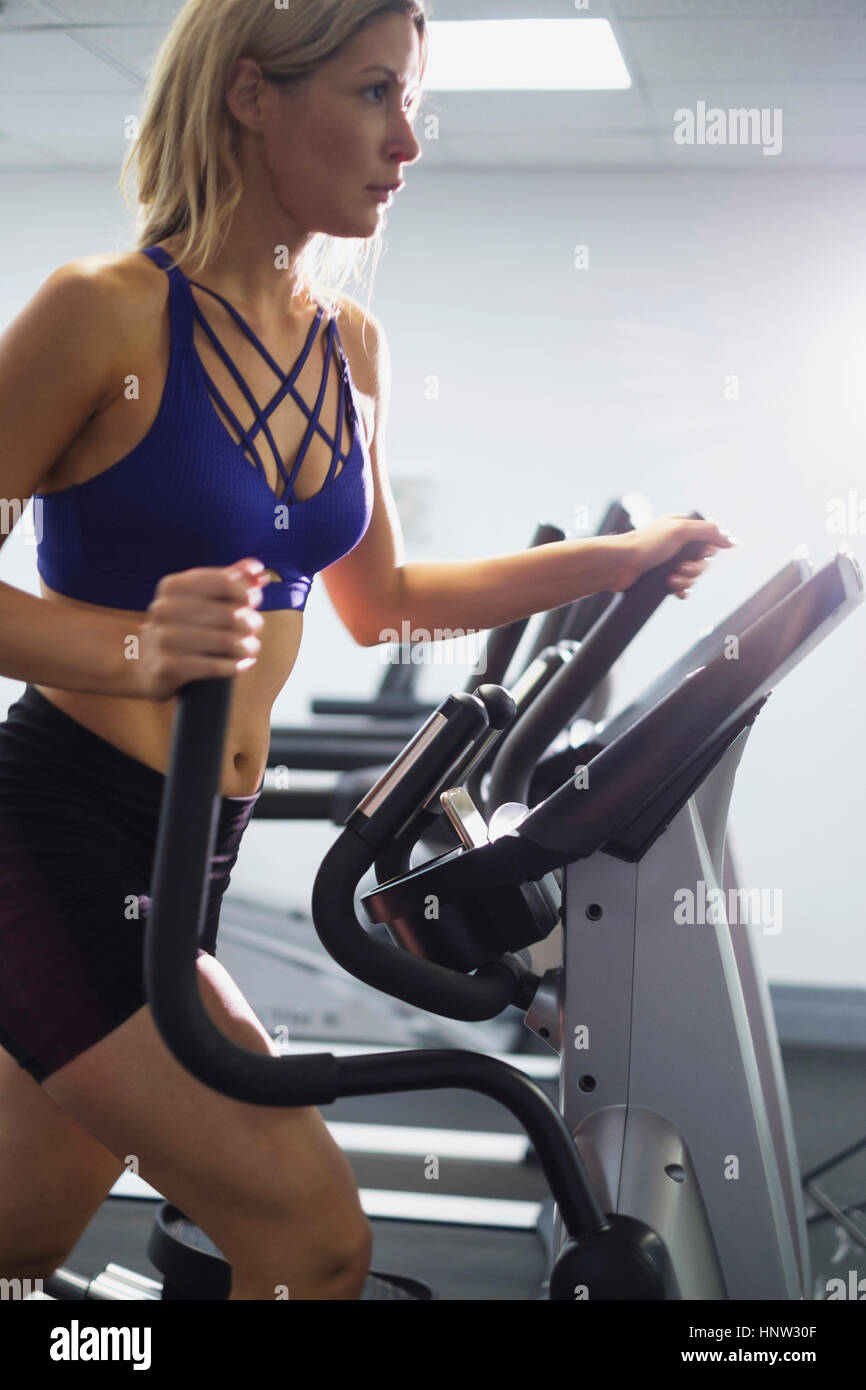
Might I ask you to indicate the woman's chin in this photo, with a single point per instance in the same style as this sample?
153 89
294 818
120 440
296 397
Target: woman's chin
362 227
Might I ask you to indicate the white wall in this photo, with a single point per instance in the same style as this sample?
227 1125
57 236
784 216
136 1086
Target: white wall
561 387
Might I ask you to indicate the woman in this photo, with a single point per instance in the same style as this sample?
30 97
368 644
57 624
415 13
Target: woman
265 129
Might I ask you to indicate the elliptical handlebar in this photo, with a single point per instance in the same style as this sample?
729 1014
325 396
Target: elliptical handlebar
572 621
561 702
187 826
395 857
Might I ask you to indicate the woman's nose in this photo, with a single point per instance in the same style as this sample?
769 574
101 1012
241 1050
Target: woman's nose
410 149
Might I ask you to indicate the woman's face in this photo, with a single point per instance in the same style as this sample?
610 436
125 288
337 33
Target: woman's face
326 141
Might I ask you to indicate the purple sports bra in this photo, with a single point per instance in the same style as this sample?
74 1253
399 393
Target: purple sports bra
188 496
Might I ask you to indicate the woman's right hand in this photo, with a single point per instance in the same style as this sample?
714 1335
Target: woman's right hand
202 624
651 546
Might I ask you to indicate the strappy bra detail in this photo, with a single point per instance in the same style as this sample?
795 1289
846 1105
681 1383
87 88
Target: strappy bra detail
189 495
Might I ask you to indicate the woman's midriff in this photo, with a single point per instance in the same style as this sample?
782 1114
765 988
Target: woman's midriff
143 728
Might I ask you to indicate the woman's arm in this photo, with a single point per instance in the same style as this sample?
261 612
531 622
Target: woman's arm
375 592
441 596
47 643
57 364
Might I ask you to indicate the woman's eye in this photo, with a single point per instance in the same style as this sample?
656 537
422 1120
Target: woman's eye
383 87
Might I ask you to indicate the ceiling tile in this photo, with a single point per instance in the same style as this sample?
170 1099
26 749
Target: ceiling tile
66 95
80 12
135 47
532 112
53 63
19 12
569 150
755 10
821 105
803 50
800 151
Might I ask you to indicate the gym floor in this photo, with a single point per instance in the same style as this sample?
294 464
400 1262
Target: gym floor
828 1099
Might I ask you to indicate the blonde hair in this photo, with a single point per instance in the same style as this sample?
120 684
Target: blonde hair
188 178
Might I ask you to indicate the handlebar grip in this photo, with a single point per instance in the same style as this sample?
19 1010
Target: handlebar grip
651 587
499 703
428 763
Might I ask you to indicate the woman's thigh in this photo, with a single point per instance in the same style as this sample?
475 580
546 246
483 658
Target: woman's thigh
54 1176
77 828
267 1184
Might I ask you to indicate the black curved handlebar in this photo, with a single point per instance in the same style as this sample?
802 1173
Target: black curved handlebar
187 826
561 703
572 621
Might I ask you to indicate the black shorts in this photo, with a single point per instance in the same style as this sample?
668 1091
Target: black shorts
78 823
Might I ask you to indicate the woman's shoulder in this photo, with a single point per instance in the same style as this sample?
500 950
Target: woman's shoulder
121 292
363 339
111 270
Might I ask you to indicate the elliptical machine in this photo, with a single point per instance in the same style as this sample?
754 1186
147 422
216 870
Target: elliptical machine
664 1163
652 1204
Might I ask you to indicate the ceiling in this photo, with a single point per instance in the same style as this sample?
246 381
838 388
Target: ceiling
72 72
